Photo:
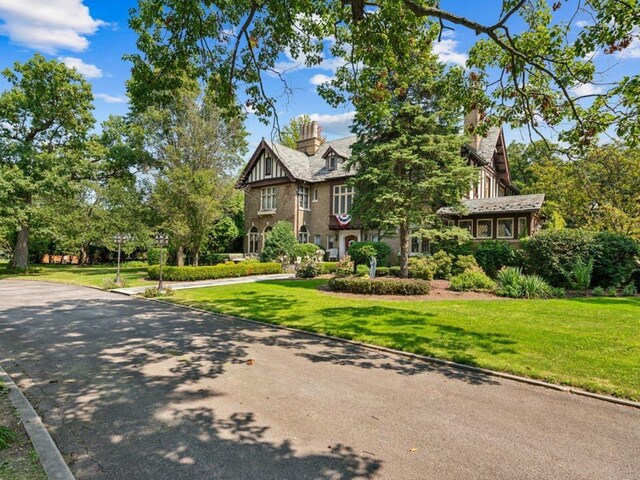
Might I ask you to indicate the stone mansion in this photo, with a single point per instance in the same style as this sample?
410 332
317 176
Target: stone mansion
307 187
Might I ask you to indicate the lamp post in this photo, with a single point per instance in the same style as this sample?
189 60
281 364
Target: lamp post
162 240
119 238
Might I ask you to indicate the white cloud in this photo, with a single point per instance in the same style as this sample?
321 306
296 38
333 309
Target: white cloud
111 98
337 124
581 23
446 51
632 51
584 89
319 79
86 69
48 25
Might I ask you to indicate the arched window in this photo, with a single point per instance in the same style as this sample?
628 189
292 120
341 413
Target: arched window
253 240
267 229
303 234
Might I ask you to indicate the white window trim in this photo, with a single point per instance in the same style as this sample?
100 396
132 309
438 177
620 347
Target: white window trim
348 192
314 195
301 196
273 209
256 242
490 220
513 226
526 224
306 233
470 223
421 244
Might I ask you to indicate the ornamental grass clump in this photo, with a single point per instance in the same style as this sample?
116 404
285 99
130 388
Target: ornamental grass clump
512 283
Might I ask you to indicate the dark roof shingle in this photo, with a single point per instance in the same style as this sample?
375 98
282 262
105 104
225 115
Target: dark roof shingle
508 204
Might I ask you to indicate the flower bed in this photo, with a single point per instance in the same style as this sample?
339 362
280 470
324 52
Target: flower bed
190 274
379 286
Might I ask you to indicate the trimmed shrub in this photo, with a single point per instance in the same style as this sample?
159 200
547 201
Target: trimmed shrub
382 272
492 255
279 243
362 271
394 271
464 263
629 291
420 267
612 292
382 286
327 267
361 252
134 264
210 258
344 267
598 292
472 280
306 250
308 269
558 292
442 262
614 259
190 274
553 253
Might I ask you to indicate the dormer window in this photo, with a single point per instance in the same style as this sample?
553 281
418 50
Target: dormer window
332 162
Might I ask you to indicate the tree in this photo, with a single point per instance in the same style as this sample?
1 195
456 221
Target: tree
599 191
408 154
198 150
290 134
279 243
525 65
226 234
523 156
44 120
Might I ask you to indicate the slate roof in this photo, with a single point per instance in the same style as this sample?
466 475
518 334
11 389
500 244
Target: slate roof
508 204
314 168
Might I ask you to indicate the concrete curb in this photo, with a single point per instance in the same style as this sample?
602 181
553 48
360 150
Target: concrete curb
54 465
424 358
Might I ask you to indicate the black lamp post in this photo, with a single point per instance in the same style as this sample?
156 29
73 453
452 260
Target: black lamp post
162 240
119 238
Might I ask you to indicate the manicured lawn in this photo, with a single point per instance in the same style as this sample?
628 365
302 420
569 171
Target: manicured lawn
590 343
93 276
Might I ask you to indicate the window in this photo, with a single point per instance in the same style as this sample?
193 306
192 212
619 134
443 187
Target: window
484 228
253 240
487 187
523 227
315 195
505 228
266 230
330 242
303 197
467 225
374 237
342 199
317 239
419 245
303 234
268 198
332 162
268 166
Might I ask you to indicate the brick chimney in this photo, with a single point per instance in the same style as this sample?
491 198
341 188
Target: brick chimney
471 120
309 141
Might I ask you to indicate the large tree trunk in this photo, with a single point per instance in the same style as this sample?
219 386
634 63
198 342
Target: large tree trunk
21 249
84 255
404 250
180 256
196 258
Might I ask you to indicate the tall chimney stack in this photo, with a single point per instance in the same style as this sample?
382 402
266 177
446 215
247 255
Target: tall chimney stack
309 141
471 121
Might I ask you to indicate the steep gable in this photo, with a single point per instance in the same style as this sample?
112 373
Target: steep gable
264 164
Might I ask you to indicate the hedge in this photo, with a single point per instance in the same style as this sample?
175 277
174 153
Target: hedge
379 286
327 267
189 274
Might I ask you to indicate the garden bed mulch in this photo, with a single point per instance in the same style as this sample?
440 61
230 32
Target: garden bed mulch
439 291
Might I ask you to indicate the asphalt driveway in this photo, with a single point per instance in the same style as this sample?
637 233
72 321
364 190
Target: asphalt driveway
132 389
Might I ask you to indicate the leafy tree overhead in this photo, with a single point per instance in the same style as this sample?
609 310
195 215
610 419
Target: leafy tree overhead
198 151
45 116
525 65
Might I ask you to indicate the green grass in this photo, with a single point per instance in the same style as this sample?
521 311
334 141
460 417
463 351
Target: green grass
93 276
592 343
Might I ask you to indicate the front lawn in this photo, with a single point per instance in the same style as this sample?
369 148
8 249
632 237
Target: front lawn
93 276
592 343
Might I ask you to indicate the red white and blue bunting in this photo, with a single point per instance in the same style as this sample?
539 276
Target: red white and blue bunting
343 219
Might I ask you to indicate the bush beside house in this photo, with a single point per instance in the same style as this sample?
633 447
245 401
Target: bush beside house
189 274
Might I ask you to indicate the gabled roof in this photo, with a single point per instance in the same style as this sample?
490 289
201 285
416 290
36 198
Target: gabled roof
508 204
302 167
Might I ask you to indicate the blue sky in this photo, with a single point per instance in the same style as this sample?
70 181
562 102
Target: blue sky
92 35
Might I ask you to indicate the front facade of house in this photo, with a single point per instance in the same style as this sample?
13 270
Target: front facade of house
307 187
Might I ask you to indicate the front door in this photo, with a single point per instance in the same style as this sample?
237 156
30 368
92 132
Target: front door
348 240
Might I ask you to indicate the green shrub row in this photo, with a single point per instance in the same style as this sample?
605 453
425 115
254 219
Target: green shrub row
327 267
379 286
188 274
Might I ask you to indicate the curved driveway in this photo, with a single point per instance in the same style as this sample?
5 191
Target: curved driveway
132 389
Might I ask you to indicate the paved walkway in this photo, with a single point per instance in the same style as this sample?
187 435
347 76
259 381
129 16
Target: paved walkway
133 389
209 283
